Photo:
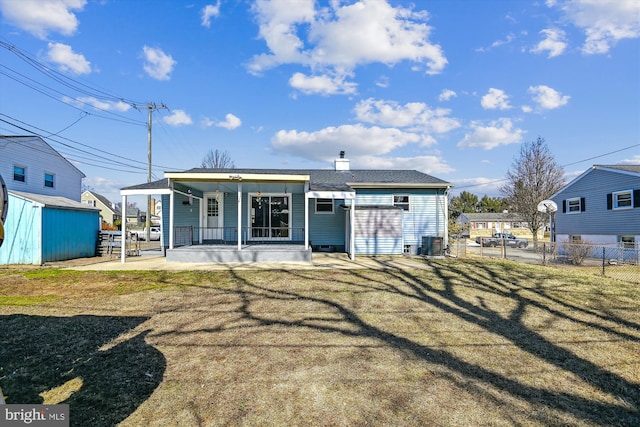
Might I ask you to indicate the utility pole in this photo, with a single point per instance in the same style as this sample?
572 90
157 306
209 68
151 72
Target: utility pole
151 107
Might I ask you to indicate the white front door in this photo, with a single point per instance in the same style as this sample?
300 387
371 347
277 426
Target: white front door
213 216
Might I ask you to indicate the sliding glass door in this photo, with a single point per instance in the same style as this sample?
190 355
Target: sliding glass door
270 216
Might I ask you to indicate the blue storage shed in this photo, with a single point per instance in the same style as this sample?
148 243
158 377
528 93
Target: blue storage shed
41 229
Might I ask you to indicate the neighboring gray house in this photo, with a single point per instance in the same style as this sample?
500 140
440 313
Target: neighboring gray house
601 206
28 164
45 219
257 212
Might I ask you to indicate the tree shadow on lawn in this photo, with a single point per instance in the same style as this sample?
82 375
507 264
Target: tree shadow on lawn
79 361
510 327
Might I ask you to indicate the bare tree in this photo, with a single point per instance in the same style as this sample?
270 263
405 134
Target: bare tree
534 177
216 159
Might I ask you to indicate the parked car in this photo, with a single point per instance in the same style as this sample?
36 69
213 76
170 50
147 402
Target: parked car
498 239
142 234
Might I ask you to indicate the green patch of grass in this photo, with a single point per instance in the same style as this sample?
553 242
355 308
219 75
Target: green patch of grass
26 300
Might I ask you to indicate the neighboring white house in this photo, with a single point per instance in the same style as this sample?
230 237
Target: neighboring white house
29 165
601 206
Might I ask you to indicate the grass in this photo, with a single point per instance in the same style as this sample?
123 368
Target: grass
463 342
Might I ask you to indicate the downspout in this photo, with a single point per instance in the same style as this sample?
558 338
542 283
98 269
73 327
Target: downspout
123 227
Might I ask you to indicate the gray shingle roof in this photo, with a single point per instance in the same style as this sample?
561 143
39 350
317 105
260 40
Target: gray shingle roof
627 168
54 201
325 179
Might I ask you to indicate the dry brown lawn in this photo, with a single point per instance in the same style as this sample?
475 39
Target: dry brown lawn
461 343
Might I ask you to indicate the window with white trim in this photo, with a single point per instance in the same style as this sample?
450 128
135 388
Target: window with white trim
623 199
573 205
19 173
627 242
401 201
324 206
49 180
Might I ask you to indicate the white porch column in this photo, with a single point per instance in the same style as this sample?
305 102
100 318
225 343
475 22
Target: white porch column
171 209
306 216
352 240
239 215
123 227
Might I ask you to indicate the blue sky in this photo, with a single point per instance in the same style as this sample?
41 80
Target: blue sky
448 87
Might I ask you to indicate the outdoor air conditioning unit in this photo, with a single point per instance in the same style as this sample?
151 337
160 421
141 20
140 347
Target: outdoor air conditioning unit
432 246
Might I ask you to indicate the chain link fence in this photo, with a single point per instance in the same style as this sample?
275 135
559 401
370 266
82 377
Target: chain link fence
611 260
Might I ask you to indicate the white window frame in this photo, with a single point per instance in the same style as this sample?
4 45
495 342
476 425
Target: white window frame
24 173
53 180
325 202
627 242
402 204
573 203
617 194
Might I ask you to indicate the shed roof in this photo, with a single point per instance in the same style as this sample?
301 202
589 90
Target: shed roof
53 201
492 216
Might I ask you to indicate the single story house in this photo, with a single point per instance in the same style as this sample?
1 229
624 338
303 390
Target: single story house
41 229
601 206
243 215
109 213
488 223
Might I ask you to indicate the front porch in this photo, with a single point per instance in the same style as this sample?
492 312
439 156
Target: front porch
247 253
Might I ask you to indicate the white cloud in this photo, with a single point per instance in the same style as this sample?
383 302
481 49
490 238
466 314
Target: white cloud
495 99
67 59
548 98
357 140
208 12
158 64
497 43
334 40
81 102
496 133
322 85
415 116
634 160
433 165
446 95
604 22
40 17
177 118
231 122
554 42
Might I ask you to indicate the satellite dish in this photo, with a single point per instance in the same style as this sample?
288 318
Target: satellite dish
547 206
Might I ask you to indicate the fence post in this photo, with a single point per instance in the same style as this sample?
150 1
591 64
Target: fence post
544 253
603 249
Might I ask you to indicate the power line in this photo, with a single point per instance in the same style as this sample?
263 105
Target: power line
563 166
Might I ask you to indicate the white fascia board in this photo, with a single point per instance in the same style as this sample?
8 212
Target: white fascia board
347 195
396 185
213 176
145 192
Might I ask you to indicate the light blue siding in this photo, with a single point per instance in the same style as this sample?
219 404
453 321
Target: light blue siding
426 215
22 243
378 246
69 234
327 229
596 218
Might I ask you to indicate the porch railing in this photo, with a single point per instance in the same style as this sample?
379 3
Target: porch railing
191 235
